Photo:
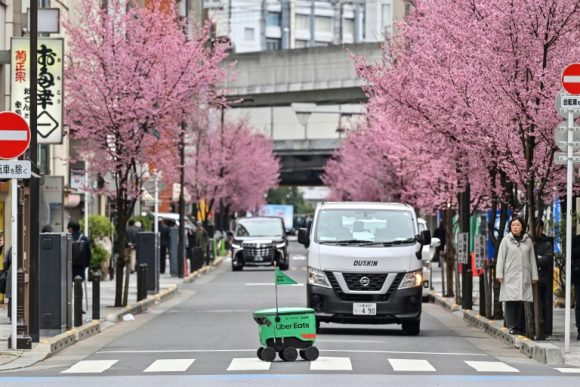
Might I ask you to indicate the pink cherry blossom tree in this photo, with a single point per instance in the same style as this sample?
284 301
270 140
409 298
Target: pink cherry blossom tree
132 75
232 168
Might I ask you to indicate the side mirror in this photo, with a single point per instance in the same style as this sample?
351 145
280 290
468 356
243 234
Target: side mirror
303 237
435 242
424 238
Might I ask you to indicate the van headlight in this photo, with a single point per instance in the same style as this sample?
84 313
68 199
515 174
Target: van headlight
280 245
317 278
412 280
236 245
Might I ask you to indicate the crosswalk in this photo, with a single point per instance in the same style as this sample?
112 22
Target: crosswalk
334 364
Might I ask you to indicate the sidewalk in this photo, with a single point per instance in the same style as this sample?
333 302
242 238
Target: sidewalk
48 346
549 351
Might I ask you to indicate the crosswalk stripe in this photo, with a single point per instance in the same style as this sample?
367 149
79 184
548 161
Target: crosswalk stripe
248 364
411 365
569 370
490 366
90 367
170 365
331 364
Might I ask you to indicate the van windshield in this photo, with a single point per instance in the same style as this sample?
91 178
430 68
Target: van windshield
360 225
259 227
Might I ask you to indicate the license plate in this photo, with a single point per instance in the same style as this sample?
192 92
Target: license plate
366 309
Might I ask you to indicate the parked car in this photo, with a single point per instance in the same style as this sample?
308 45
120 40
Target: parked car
260 241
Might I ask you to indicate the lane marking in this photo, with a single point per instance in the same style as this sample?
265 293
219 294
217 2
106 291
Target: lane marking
248 364
227 311
170 365
331 364
349 341
411 365
90 367
299 258
490 366
324 350
268 284
568 370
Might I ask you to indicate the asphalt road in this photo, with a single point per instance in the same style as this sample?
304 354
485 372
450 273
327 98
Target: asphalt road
206 335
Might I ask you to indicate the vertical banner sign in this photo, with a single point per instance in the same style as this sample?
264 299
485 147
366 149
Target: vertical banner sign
479 247
462 249
50 86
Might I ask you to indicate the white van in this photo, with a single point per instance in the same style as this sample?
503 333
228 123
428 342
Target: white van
364 264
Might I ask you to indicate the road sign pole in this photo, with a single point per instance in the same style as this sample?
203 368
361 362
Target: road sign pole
14 262
570 170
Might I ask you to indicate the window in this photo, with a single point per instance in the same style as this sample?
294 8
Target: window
387 18
303 22
300 43
274 19
321 44
348 27
323 24
248 34
273 44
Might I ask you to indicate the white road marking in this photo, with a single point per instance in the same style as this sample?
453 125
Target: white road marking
322 340
268 284
299 258
349 341
13 135
411 365
90 367
331 364
490 366
227 311
569 370
170 365
249 364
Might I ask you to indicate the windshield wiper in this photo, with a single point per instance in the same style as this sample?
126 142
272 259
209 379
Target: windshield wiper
353 241
391 243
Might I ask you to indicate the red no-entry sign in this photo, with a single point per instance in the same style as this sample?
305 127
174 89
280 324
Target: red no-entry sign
571 78
14 135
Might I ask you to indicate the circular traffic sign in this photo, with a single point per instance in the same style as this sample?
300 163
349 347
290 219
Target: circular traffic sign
14 135
571 78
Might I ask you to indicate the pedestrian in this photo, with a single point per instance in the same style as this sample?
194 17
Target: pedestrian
81 250
201 242
46 228
544 249
575 279
131 245
516 271
164 244
439 233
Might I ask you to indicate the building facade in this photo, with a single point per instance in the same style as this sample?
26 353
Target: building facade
259 25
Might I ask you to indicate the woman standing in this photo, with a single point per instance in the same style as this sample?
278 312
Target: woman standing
516 270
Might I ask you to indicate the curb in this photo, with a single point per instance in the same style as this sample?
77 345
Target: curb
52 345
543 352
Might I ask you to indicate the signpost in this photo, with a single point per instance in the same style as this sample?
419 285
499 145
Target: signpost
569 107
14 140
462 249
479 247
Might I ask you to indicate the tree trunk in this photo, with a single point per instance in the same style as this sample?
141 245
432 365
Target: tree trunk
449 253
120 263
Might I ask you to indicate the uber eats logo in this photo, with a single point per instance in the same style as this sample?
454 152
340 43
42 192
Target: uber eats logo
296 325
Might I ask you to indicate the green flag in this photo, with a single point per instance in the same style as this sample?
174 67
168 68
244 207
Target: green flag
283 279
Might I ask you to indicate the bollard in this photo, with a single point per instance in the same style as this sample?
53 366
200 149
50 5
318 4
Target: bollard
78 301
96 296
141 281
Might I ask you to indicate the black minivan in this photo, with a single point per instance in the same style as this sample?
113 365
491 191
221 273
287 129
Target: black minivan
260 241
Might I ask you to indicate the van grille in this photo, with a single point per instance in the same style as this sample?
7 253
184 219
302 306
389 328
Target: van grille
365 297
376 281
